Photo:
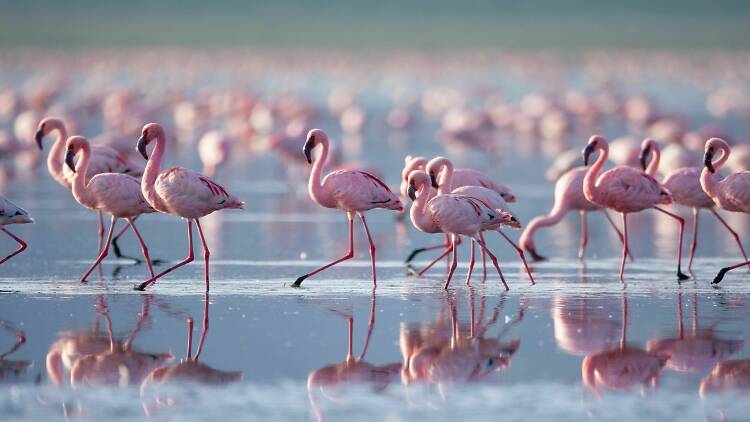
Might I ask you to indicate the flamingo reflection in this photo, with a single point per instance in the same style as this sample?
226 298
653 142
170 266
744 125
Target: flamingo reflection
10 369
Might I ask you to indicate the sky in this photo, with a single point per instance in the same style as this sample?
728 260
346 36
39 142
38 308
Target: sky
382 24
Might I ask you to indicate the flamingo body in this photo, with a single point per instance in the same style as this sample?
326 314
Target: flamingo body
190 195
356 191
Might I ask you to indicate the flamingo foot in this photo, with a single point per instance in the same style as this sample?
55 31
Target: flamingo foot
413 254
720 276
299 280
411 271
136 261
535 256
681 276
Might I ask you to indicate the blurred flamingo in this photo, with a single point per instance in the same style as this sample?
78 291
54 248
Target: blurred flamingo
351 191
181 192
214 150
11 213
626 190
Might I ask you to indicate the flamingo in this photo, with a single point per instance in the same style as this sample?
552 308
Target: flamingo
351 191
685 186
116 194
731 193
456 215
181 192
568 196
11 213
727 375
103 160
626 190
214 150
442 175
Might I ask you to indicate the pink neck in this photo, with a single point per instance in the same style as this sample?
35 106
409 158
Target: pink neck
55 157
153 168
315 186
710 181
555 216
445 183
653 166
418 212
589 181
79 187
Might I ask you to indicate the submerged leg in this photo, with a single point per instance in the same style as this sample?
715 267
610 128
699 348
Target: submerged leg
372 249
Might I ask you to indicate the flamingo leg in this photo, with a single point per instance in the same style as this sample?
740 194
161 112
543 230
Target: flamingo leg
372 249
471 264
680 275
484 258
206 252
348 255
144 248
202 341
22 245
103 252
418 251
493 258
447 250
694 241
454 264
521 255
20 339
619 233
118 252
624 244
100 232
370 327
725 270
185 261
734 233
584 235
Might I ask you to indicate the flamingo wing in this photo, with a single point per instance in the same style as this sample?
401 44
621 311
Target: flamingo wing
736 188
358 190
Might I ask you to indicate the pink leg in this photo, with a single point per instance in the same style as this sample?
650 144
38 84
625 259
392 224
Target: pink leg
471 264
104 251
484 258
20 339
185 261
372 249
725 270
584 235
680 275
348 255
619 233
734 233
144 248
694 241
206 252
493 258
202 341
418 251
22 245
454 264
624 245
521 255
447 250
101 232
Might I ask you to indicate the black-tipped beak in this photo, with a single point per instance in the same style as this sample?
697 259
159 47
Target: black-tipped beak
586 153
70 160
412 192
307 149
433 180
708 160
141 147
644 156
39 136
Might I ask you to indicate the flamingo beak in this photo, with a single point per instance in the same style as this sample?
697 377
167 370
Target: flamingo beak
433 180
39 136
307 149
707 160
644 156
141 147
412 192
587 152
70 160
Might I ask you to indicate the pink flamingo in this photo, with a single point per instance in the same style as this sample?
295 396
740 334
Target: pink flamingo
116 194
731 193
181 192
626 190
10 213
455 215
103 160
351 191
685 186
568 196
214 150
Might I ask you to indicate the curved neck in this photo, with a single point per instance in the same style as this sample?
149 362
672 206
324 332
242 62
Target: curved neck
79 186
445 184
589 181
653 166
315 186
719 163
551 219
55 157
709 180
153 168
418 212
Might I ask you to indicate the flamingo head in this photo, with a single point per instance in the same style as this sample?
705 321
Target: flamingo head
72 146
150 132
416 179
45 127
645 151
314 137
708 158
435 167
509 220
594 142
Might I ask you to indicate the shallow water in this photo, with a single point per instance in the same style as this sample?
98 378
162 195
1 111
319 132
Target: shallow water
475 352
